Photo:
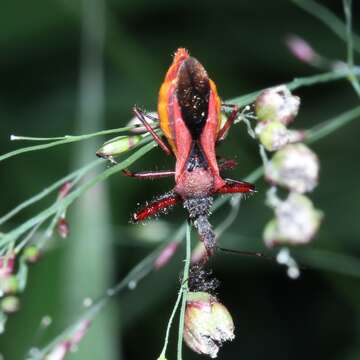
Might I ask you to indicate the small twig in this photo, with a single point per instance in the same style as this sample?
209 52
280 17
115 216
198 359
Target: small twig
185 290
328 18
350 47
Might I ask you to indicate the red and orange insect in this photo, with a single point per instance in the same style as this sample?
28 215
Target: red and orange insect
189 110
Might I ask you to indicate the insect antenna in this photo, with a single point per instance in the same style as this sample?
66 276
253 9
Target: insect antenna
255 254
247 253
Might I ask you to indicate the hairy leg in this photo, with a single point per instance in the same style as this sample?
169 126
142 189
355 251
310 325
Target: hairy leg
156 206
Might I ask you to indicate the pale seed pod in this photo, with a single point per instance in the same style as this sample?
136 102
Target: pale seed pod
295 167
296 222
277 104
117 146
208 324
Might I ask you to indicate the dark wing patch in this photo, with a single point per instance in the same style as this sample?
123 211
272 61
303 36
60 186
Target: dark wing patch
193 93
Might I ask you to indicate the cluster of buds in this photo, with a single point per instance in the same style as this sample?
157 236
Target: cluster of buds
9 285
293 166
276 108
62 349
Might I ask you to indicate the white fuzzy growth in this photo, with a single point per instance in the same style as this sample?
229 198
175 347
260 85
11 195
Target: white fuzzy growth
296 222
295 167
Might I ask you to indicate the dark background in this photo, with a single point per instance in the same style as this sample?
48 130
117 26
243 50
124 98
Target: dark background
241 44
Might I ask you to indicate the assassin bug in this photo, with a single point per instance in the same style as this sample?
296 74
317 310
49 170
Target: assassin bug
189 110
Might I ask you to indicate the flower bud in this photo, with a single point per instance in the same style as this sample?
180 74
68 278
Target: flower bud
59 351
140 128
10 304
80 332
273 135
166 254
6 265
117 146
301 49
31 254
295 167
207 324
64 190
296 222
63 228
9 284
277 104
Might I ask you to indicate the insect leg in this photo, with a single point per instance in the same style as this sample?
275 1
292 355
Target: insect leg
230 120
149 174
155 206
140 115
234 186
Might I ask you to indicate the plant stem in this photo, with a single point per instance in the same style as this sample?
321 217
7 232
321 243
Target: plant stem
350 49
185 290
328 18
136 274
326 128
64 140
300 82
69 199
77 173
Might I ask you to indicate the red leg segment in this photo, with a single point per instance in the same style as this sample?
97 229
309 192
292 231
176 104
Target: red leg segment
229 122
233 186
149 174
140 115
154 207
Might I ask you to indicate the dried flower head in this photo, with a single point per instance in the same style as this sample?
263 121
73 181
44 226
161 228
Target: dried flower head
208 324
296 222
277 104
295 166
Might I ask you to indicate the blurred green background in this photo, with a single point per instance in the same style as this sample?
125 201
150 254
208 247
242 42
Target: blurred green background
48 89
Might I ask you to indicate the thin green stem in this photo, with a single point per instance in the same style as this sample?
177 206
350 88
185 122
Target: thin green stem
185 290
63 140
136 274
328 18
69 199
171 319
77 173
326 128
301 82
349 39
350 49
330 261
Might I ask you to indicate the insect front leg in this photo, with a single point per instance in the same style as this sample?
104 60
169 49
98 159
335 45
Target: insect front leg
149 174
141 116
230 120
